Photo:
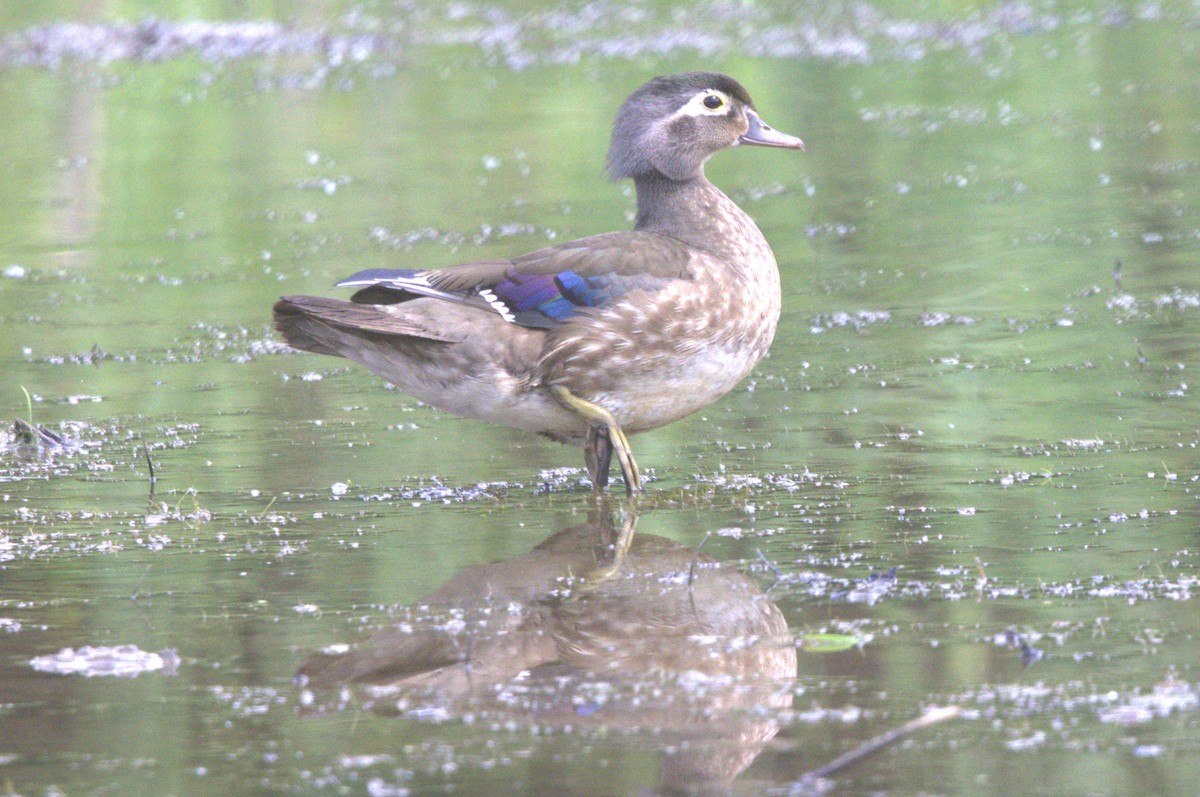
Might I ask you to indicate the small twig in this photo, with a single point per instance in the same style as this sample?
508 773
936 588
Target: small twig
467 659
981 579
770 566
150 465
267 508
931 717
696 559
138 589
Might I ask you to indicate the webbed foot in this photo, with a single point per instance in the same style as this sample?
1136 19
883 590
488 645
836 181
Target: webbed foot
604 439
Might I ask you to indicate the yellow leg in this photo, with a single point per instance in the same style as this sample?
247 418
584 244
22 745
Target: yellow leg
596 578
604 421
597 455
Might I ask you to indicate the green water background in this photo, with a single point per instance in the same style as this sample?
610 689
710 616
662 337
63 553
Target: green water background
989 258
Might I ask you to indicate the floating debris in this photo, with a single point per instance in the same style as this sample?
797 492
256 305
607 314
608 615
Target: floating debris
123 661
856 320
524 38
937 319
1166 697
37 440
870 590
48 46
1013 639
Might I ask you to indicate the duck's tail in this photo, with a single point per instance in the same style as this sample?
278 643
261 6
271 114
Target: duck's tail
330 326
462 359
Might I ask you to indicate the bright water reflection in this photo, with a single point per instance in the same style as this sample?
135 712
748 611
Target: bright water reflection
597 630
966 387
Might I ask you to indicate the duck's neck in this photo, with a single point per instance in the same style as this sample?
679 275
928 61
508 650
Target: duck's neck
697 213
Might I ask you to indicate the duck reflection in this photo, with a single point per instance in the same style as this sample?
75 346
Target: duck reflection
595 627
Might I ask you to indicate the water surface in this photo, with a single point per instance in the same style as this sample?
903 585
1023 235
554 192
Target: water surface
965 475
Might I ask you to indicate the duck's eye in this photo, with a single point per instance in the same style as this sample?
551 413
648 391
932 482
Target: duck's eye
712 102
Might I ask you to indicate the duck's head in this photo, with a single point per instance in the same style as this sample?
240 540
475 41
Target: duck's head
674 123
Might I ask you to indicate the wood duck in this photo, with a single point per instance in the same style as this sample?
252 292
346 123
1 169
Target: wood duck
588 341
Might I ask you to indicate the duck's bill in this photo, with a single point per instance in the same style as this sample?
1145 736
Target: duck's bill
763 135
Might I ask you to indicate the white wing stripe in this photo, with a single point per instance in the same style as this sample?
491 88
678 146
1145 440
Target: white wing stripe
419 284
496 304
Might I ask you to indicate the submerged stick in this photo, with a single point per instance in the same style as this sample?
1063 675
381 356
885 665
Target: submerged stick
768 564
150 465
696 560
931 717
138 589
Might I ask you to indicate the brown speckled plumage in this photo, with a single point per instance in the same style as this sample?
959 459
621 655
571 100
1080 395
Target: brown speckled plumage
668 318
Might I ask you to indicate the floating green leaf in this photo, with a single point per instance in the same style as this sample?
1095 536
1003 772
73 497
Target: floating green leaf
829 643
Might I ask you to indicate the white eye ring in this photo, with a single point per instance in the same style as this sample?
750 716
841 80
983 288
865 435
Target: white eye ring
699 104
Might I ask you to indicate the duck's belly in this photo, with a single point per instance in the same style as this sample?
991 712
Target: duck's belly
641 399
649 399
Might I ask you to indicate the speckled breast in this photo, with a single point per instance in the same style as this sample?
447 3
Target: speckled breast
651 360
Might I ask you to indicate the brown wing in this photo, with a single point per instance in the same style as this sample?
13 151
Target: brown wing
544 288
646 255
